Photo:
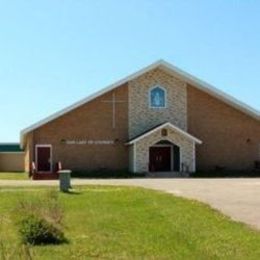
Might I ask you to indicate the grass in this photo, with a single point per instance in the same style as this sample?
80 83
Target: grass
130 223
13 176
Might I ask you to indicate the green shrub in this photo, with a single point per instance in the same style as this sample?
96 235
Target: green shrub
39 219
38 231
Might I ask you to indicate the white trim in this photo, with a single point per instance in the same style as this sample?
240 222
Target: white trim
36 156
177 129
86 100
202 85
210 89
165 96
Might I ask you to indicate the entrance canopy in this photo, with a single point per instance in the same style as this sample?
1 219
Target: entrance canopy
165 147
161 126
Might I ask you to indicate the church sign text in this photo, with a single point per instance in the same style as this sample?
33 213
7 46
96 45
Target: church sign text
87 142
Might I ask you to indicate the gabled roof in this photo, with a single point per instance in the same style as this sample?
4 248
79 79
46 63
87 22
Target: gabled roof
178 73
161 126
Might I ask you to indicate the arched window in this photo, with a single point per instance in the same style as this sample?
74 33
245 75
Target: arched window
157 97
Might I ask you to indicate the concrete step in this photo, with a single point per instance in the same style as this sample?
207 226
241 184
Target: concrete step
167 175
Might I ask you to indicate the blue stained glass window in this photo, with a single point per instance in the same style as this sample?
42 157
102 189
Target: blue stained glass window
157 97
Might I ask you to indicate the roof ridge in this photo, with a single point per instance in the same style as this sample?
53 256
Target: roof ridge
196 82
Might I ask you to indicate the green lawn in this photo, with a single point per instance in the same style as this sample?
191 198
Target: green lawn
13 176
130 223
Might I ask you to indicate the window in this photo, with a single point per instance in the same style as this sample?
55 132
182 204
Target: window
157 97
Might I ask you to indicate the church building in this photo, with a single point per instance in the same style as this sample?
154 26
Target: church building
159 119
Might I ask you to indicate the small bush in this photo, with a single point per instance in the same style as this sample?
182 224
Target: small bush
38 231
39 219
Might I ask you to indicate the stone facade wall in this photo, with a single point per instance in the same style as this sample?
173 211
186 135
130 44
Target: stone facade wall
142 117
230 137
186 149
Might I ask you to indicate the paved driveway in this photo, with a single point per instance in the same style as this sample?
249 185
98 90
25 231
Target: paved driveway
237 198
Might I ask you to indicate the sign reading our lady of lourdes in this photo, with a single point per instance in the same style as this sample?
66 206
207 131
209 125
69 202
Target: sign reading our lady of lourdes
87 142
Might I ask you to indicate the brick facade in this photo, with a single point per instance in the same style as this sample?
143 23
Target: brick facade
231 139
93 122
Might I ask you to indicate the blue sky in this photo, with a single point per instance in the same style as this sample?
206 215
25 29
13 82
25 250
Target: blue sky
53 53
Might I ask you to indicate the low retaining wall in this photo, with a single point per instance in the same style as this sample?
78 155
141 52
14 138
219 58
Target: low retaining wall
12 162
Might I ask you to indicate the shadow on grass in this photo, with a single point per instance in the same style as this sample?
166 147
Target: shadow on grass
72 192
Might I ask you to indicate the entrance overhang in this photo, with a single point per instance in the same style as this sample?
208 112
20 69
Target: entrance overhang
161 126
139 147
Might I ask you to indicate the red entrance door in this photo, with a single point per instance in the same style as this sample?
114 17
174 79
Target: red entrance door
43 158
160 158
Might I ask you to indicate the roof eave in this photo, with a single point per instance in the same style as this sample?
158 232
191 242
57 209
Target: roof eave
162 64
194 139
91 97
212 90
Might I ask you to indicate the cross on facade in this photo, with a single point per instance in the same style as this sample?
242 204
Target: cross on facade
113 101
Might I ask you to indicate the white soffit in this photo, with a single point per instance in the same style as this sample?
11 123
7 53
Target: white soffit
158 64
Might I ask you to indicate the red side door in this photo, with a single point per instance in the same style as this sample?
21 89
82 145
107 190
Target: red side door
43 159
